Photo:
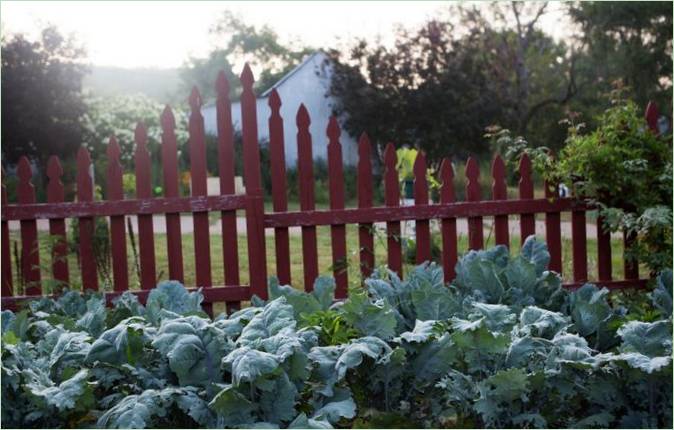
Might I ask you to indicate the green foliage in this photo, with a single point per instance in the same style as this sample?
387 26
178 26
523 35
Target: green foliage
503 346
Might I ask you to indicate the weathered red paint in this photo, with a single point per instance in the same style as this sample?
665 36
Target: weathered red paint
336 186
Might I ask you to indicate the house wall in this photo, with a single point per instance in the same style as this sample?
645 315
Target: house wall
307 85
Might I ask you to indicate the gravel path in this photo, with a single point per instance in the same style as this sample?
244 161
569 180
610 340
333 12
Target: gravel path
187 226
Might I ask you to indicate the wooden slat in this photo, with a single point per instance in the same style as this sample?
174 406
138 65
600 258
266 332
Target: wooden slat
305 172
448 225
148 273
202 246
475 229
603 251
120 272
57 227
392 199
579 246
85 192
499 191
230 245
257 256
422 227
631 265
279 187
411 213
7 283
553 233
169 158
365 230
336 185
30 250
526 185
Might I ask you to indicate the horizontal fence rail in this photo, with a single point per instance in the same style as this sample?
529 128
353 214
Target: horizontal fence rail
27 211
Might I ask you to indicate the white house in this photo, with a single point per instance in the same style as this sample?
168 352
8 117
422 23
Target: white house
307 83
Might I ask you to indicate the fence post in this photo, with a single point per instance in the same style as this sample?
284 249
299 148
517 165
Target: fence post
449 240
230 245
499 191
277 159
7 285
85 193
115 190
336 185
392 199
169 157
257 256
305 173
422 227
475 228
57 227
365 230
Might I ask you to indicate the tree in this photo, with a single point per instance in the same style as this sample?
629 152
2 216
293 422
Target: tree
41 96
439 86
631 42
238 42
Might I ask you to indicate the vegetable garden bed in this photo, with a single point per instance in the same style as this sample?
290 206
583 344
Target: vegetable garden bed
502 346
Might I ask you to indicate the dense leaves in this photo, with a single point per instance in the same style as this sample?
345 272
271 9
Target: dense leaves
503 346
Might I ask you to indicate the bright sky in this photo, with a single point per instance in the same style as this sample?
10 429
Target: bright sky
164 34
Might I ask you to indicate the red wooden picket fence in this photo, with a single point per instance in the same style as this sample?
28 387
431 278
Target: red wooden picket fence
27 211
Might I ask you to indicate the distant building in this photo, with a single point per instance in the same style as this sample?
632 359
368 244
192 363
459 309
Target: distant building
307 83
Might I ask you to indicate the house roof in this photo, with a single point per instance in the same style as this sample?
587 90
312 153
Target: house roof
290 73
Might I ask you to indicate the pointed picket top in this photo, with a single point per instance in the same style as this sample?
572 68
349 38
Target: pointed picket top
113 150
498 173
195 100
333 132
652 114
526 185
168 121
247 78
222 85
274 101
419 168
23 170
390 157
85 190
525 166
54 169
364 148
420 181
303 119
447 178
140 136
473 176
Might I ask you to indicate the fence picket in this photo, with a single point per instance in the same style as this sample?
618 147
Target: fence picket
230 245
448 225
279 187
422 227
202 245
257 256
526 186
85 193
579 245
631 265
143 165
603 251
7 283
499 191
553 233
652 114
392 199
30 249
336 185
57 226
115 190
475 228
365 230
305 172
169 156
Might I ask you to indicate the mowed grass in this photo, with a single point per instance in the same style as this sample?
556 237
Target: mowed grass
324 258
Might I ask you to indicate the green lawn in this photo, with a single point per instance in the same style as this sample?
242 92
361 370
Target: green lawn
324 253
